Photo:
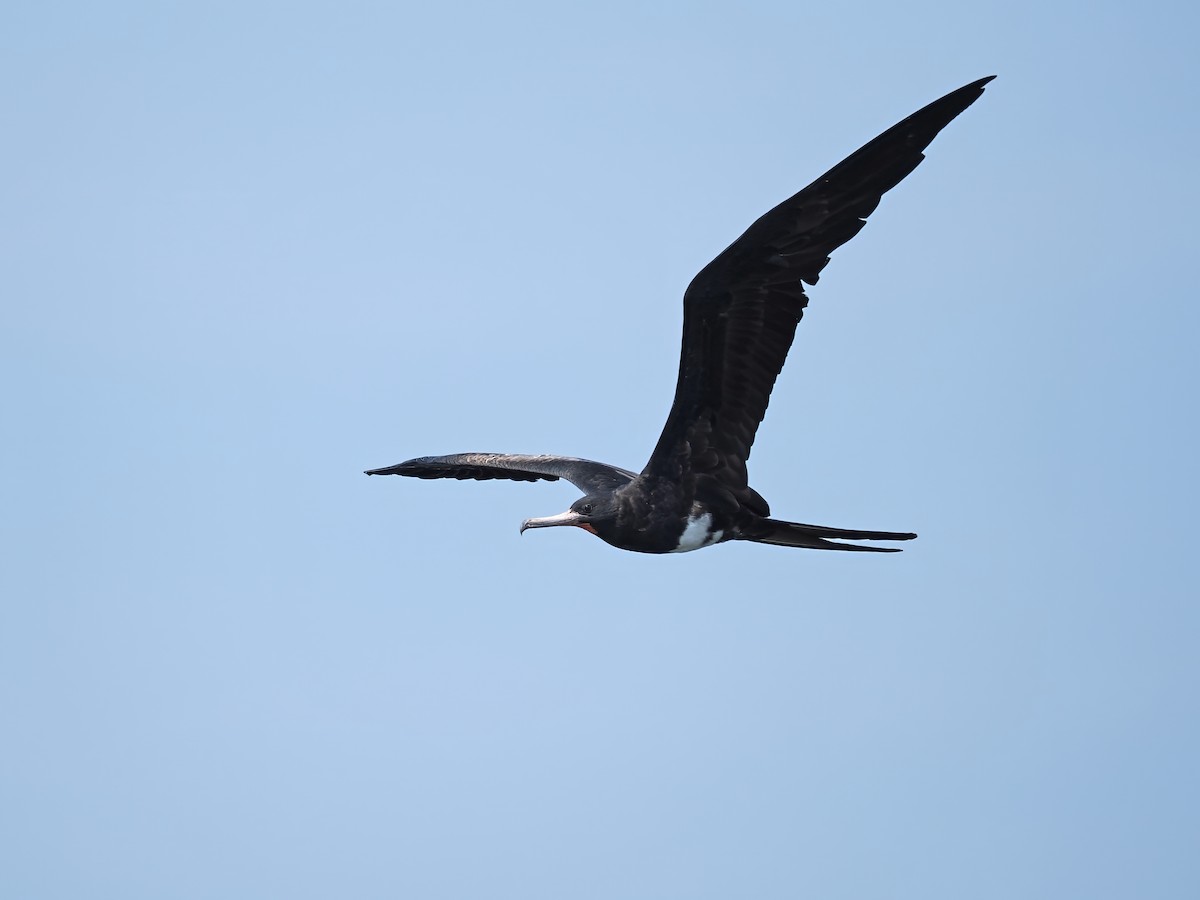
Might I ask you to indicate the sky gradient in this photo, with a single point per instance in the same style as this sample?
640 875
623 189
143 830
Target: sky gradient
249 250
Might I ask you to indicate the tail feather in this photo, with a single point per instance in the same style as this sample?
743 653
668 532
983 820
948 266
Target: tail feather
815 537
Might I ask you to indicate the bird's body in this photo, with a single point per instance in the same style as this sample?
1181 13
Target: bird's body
740 315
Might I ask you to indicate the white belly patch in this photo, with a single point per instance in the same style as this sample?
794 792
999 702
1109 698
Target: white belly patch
696 535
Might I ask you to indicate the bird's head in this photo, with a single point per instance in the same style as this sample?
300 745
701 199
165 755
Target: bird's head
594 513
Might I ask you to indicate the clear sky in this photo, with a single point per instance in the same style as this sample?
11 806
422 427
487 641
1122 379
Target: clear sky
249 249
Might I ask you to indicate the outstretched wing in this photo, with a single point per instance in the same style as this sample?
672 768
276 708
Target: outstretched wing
741 310
590 477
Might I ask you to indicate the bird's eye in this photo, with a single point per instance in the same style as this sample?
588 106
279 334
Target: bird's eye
586 509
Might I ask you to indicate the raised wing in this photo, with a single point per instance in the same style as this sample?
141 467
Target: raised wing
590 477
741 310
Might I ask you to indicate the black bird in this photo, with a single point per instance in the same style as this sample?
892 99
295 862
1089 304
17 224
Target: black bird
740 314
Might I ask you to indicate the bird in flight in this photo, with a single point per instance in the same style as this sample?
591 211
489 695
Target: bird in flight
739 317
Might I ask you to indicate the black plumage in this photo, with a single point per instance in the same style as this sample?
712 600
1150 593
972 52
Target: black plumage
740 315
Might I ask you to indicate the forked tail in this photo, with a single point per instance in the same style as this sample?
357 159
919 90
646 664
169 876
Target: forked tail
816 537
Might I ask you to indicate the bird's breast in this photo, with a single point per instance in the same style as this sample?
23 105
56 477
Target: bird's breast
698 532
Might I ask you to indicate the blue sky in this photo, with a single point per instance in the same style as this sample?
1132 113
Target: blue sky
248 250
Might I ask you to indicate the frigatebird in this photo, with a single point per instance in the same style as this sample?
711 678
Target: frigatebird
740 315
